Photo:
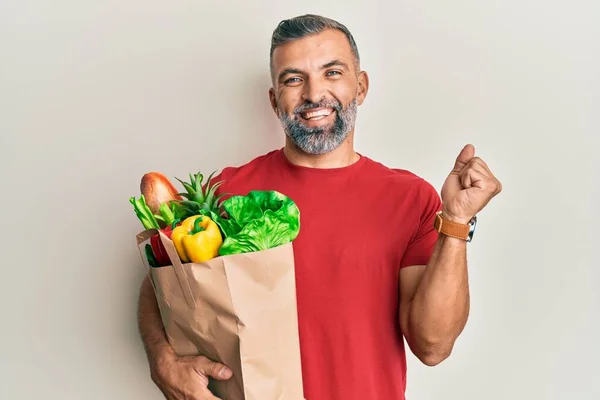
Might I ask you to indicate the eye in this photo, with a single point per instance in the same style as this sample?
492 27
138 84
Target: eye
334 73
292 81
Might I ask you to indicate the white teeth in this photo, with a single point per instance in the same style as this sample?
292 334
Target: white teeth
316 114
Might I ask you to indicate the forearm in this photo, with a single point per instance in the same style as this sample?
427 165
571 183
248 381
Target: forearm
150 324
439 309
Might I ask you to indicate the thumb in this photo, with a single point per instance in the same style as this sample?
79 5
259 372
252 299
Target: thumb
213 369
466 154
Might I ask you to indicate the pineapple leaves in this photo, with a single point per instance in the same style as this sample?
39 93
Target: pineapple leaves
190 189
210 197
199 198
197 179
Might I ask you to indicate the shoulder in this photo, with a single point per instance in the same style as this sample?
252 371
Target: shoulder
402 188
243 177
232 172
405 199
397 178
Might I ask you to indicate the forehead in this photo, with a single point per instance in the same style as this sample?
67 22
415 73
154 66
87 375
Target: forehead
313 51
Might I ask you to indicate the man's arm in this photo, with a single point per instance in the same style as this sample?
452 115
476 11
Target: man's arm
179 378
434 301
151 327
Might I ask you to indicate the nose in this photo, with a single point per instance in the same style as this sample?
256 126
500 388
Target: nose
314 91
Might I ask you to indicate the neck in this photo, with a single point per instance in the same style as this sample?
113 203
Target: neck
343 156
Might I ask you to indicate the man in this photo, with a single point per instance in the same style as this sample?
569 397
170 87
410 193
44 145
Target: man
371 268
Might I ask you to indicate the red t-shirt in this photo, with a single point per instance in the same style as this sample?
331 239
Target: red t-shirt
358 226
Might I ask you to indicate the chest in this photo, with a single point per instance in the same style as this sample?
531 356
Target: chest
345 232
348 230
353 235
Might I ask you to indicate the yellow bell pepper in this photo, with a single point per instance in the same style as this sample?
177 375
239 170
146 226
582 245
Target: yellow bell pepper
197 239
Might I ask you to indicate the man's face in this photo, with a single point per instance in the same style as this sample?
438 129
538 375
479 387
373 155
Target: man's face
316 90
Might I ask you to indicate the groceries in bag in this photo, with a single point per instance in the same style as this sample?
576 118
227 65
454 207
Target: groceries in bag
224 278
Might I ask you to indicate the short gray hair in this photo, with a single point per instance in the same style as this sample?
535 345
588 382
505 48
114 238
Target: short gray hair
295 28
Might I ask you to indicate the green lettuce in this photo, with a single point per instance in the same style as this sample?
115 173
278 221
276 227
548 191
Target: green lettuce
258 221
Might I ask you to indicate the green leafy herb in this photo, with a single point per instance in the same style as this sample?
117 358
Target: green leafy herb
144 213
229 227
150 256
167 214
258 221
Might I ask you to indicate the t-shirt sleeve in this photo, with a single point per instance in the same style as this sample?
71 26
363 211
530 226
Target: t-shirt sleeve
423 240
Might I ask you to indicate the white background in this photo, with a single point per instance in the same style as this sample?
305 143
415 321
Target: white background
94 94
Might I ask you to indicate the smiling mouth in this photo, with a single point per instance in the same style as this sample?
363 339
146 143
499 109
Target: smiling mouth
316 114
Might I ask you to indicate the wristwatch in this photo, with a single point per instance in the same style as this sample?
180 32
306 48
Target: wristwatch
455 229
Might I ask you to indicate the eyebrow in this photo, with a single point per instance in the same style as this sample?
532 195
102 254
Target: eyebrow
335 63
330 64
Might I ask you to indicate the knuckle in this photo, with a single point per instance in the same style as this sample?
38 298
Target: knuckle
492 186
210 365
207 365
214 368
204 365
202 359
481 163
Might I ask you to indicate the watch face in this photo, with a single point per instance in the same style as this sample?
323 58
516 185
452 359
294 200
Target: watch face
472 223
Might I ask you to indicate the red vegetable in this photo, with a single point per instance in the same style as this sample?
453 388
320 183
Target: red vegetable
160 253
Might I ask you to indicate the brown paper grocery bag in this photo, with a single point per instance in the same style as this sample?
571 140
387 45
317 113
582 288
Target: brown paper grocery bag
239 310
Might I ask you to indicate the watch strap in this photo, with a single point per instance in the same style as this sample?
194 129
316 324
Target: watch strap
453 229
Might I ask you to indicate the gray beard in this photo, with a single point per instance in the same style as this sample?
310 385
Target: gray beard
320 140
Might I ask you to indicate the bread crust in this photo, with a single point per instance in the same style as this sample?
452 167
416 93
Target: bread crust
157 189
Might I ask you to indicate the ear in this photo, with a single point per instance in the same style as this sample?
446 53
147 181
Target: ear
273 100
363 87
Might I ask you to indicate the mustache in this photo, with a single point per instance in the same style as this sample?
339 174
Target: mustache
322 104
